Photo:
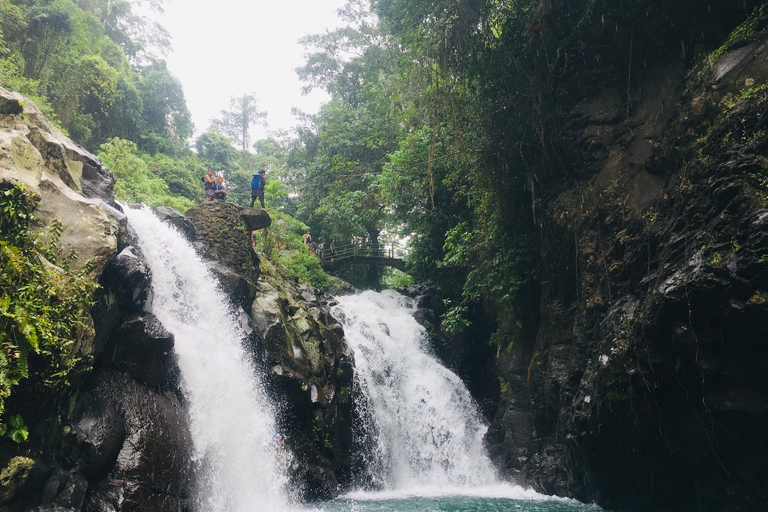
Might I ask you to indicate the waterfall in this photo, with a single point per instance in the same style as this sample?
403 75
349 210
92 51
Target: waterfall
231 420
425 427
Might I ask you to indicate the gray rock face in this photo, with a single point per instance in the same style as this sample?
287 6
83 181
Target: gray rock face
122 442
221 236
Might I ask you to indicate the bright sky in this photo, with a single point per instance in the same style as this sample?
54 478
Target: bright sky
226 48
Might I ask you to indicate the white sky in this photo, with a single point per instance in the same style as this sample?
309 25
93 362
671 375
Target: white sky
226 48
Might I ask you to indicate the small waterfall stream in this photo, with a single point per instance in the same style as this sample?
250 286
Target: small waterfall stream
427 429
231 419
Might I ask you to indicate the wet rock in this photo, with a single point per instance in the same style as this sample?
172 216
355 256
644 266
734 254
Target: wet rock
128 277
223 238
151 468
176 219
64 490
143 348
99 432
235 284
255 219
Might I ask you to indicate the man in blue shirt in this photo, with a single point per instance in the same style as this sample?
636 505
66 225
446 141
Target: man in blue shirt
258 183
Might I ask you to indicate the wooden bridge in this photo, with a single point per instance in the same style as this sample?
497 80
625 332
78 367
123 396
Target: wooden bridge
360 254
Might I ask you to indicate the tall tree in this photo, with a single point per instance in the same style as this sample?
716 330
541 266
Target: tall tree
237 121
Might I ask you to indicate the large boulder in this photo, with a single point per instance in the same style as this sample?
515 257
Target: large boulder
73 186
74 191
255 219
133 444
221 236
309 371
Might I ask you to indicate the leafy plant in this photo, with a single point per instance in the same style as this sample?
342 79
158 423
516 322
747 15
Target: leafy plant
18 432
454 320
41 306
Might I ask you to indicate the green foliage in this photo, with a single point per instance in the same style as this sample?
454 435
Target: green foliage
454 321
281 244
74 60
436 131
306 267
215 149
18 432
41 304
137 184
394 279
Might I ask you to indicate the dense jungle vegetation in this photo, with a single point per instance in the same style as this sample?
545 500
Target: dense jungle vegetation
434 131
440 130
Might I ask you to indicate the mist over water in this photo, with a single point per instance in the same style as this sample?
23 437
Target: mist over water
231 419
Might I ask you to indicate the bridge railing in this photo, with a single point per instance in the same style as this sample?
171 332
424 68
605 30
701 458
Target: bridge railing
348 251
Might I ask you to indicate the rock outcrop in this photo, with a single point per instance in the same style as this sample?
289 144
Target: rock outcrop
223 239
119 441
310 371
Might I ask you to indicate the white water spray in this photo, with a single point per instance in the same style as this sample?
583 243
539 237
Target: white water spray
427 428
230 417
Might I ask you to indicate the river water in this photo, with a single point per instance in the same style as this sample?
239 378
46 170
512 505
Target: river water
423 427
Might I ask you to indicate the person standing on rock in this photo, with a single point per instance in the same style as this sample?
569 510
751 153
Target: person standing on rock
258 183
209 182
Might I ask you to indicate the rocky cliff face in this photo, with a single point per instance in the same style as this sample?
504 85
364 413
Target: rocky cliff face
294 340
119 440
644 386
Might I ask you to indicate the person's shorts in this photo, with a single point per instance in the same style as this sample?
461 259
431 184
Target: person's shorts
209 193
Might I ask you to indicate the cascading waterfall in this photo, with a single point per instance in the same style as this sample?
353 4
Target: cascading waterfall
427 430
232 423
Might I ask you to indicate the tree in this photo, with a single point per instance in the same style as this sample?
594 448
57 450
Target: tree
237 121
166 123
215 149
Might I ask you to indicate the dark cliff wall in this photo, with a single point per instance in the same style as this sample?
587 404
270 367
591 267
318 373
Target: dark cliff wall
644 386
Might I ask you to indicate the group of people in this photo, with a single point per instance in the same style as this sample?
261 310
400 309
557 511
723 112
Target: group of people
214 186
318 250
216 190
